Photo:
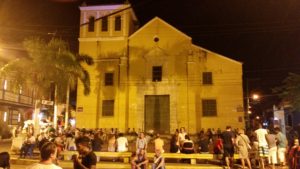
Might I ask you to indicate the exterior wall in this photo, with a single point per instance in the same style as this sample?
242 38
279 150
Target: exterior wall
145 53
131 60
226 89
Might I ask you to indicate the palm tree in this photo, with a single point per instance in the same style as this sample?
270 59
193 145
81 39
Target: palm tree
48 63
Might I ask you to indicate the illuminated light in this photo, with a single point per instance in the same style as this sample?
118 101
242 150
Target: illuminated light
255 96
249 112
276 118
5 85
257 117
19 117
20 91
72 121
5 116
40 116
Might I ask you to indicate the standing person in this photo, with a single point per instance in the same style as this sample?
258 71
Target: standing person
122 143
271 139
262 144
228 146
243 143
218 146
48 157
88 157
141 142
158 160
174 143
140 161
159 143
281 144
293 155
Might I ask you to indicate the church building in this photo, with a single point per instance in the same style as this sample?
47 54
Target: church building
153 77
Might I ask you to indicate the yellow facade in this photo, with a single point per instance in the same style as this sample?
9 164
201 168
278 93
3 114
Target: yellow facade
138 100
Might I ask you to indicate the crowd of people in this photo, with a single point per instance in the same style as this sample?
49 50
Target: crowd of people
253 148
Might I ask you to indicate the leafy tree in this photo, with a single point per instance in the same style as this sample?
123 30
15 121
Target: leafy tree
48 63
290 90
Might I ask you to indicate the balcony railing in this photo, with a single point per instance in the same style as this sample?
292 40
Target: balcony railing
10 96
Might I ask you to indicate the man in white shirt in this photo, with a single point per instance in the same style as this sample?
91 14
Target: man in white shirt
122 143
48 157
262 143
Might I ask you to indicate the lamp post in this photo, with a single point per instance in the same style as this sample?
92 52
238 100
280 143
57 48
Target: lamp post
253 97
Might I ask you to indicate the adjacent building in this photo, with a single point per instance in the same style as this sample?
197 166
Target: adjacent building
153 77
16 103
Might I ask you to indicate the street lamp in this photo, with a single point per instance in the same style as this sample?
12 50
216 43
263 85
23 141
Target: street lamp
253 97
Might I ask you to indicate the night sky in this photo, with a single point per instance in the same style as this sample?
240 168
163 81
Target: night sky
263 34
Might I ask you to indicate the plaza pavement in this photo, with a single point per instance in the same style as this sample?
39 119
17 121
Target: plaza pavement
17 163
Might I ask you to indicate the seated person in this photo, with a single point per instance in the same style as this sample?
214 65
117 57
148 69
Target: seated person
140 161
187 146
48 157
122 143
158 160
203 144
28 146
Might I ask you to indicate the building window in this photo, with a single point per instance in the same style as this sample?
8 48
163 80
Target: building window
207 78
104 24
108 107
209 107
118 23
109 79
156 73
91 27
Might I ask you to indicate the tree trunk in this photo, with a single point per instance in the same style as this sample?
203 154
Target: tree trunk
55 108
67 106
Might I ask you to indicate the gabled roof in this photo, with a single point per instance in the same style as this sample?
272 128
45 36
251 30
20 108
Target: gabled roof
224 57
162 21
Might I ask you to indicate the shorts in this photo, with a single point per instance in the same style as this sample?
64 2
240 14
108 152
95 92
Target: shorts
228 151
263 151
273 155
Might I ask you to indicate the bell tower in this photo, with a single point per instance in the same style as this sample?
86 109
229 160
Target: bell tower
107 21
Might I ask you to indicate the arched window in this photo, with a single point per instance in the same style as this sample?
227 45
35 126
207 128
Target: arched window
91 24
118 23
